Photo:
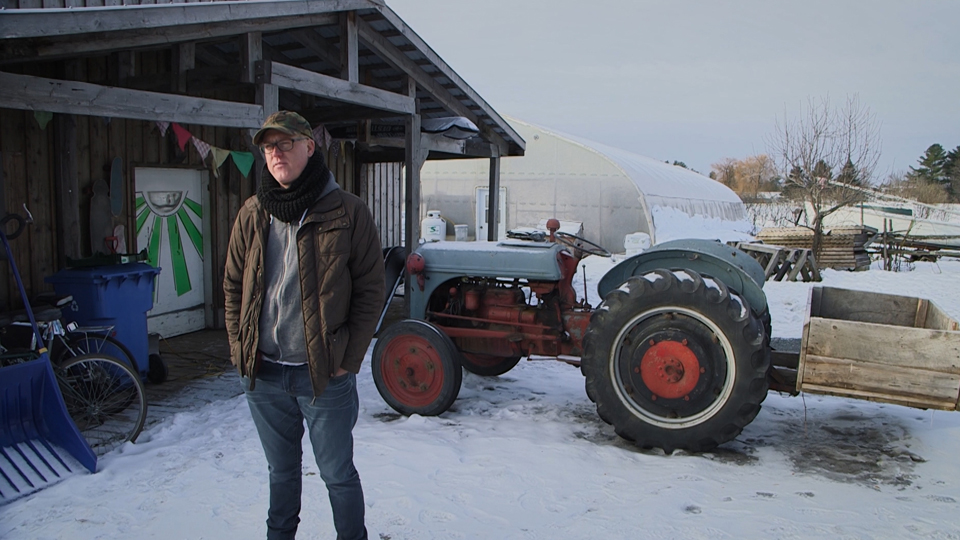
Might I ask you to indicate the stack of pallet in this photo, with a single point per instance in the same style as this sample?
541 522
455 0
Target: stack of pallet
842 248
782 263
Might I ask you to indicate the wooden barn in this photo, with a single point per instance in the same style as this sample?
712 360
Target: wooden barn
126 125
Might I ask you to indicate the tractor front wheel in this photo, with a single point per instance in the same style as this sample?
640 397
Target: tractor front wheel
676 360
416 368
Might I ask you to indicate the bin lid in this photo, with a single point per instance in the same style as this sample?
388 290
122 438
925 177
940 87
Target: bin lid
99 274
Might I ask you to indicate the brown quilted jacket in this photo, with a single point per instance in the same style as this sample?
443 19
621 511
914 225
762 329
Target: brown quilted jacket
341 280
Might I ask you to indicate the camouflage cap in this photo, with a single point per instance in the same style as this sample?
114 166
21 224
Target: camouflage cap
287 122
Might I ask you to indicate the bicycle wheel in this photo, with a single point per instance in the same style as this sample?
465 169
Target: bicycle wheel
105 398
80 344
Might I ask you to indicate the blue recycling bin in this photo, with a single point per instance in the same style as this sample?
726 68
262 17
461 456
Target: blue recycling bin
119 295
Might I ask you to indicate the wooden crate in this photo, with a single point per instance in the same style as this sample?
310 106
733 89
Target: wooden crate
880 347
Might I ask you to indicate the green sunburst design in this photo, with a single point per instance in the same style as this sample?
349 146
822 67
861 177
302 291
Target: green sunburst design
176 225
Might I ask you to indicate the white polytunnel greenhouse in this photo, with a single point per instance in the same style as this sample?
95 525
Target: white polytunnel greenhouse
613 194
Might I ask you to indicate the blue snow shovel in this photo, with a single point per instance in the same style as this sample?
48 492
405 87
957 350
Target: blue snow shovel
35 428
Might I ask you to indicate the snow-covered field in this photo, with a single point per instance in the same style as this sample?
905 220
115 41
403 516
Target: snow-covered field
524 456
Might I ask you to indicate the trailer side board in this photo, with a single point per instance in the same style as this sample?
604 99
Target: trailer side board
896 357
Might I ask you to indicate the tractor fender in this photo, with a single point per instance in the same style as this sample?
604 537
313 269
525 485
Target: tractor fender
736 269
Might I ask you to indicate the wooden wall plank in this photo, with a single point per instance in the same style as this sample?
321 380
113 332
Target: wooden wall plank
84 184
152 143
13 126
38 261
67 203
133 145
116 148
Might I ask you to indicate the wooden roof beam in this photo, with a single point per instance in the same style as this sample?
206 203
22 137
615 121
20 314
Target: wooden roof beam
19 50
50 22
69 97
317 45
332 88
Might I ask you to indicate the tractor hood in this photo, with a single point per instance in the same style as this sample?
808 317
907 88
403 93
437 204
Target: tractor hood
507 259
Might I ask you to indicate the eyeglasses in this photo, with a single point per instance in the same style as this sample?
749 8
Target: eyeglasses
285 145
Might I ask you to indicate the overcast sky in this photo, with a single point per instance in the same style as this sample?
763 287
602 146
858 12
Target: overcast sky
699 81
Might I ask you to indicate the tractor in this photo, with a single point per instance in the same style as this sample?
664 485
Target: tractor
678 353
676 356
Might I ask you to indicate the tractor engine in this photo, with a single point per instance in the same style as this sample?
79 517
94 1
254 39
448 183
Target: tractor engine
510 319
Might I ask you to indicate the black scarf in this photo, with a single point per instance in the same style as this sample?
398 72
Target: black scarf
288 204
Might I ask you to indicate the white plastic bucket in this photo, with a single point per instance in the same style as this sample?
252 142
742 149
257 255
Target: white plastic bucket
460 232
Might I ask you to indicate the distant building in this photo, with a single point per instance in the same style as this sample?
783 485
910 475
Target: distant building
612 192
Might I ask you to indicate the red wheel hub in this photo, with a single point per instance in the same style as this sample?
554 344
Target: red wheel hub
412 371
670 369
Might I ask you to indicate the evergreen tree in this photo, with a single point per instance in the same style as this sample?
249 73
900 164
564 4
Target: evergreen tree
850 175
932 165
951 169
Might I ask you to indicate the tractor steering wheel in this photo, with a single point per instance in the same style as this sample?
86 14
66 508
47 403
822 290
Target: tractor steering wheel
579 243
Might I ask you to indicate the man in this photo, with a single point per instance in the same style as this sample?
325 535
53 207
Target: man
304 287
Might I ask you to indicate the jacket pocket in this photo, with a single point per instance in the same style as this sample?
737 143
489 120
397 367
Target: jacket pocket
337 347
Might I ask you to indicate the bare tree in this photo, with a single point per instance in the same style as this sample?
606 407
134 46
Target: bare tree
747 177
826 157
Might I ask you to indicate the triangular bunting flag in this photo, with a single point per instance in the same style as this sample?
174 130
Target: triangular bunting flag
243 161
43 118
322 137
219 156
162 126
201 147
182 135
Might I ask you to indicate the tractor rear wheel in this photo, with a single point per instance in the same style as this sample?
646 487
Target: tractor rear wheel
487 365
676 360
416 368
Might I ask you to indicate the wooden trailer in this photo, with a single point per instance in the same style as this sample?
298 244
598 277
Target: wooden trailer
880 347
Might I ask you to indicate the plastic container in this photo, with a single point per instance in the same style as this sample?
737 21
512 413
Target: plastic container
635 243
460 232
119 295
433 228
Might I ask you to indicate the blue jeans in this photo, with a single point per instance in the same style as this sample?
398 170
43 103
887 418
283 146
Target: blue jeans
281 400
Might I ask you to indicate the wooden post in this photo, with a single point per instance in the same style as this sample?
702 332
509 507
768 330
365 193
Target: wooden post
267 96
349 57
251 52
184 59
493 210
414 162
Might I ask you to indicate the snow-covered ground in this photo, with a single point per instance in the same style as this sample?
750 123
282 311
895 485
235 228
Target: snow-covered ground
524 456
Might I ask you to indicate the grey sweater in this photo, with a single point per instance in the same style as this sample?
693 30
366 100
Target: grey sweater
282 337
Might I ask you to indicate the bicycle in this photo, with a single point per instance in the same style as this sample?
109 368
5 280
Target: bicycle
103 393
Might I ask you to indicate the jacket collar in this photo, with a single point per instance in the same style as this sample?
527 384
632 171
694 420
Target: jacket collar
328 206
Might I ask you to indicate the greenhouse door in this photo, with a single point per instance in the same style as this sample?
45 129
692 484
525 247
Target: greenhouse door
172 226
483 204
